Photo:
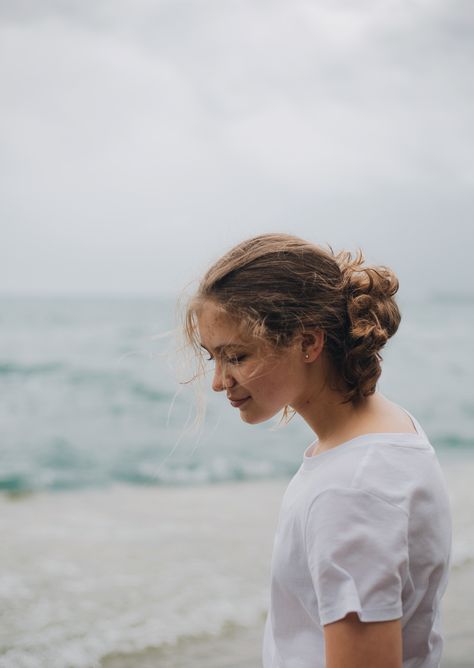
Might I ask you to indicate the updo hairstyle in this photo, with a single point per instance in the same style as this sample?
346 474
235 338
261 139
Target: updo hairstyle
277 286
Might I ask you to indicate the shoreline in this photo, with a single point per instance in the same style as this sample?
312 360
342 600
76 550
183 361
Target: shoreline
240 647
164 568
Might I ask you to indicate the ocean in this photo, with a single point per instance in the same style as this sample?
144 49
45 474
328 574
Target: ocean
132 538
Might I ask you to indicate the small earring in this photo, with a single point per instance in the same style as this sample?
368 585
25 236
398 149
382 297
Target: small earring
306 356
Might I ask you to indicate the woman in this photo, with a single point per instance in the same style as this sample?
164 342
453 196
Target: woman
362 548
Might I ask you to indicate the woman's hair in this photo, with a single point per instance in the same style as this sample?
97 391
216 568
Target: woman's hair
277 286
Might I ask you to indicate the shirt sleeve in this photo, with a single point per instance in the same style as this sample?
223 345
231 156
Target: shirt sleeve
357 552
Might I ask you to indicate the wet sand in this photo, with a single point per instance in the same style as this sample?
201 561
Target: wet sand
240 647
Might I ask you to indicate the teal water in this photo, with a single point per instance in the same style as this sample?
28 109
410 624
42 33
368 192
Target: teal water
90 396
143 537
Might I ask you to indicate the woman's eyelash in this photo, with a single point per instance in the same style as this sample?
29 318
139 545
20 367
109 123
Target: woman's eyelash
233 360
236 359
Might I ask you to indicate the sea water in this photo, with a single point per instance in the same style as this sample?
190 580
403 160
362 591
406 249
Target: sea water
121 528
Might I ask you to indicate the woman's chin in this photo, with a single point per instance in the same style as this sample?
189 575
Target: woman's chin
249 419
255 418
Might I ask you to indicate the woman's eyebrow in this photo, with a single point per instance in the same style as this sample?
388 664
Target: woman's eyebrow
224 346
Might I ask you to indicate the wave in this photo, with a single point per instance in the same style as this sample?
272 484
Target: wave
128 570
124 638
39 369
462 298
64 464
453 441
84 474
234 641
80 376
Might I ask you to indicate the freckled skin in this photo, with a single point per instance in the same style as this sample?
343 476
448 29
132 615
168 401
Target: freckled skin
295 376
271 380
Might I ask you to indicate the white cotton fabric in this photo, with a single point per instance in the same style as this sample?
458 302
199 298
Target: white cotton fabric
366 528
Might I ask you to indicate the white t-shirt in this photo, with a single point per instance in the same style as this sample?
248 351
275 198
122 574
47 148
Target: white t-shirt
364 527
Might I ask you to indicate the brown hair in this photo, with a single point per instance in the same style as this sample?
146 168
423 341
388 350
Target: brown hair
278 285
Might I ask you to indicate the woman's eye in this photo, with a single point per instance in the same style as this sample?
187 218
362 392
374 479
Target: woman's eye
236 359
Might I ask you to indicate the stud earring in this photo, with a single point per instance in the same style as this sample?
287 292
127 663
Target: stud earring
306 356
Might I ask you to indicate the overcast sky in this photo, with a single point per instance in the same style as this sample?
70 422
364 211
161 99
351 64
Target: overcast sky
141 138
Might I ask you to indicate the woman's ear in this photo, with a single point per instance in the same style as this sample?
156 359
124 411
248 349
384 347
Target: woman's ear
312 344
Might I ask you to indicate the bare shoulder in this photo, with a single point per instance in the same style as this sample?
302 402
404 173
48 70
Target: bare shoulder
391 418
379 416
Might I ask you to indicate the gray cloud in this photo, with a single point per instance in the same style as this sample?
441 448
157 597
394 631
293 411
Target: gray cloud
140 139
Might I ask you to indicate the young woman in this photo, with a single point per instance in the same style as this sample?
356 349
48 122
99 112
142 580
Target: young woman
362 548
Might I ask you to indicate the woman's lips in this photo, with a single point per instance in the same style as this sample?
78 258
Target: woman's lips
239 402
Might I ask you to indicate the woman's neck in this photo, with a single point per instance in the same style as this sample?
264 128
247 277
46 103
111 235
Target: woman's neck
334 422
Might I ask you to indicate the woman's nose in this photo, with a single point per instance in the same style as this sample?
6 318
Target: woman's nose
221 380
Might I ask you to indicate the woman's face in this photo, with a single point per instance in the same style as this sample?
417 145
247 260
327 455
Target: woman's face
258 383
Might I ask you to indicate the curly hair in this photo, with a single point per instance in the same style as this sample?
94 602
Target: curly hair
278 285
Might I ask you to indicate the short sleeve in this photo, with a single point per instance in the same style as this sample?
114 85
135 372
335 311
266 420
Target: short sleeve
357 552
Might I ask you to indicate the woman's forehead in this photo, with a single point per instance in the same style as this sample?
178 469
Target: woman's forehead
218 330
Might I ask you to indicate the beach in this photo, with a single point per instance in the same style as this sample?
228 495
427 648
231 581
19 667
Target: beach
169 577
130 542
240 647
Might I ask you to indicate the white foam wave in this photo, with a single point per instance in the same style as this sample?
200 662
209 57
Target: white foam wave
96 573
89 574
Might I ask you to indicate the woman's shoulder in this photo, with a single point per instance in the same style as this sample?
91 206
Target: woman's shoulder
393 467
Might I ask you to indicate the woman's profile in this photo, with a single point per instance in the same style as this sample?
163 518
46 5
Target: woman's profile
362 549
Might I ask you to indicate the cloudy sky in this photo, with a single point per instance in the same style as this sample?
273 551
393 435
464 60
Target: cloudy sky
141 138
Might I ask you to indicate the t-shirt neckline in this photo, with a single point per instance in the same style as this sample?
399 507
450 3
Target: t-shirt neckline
416 440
